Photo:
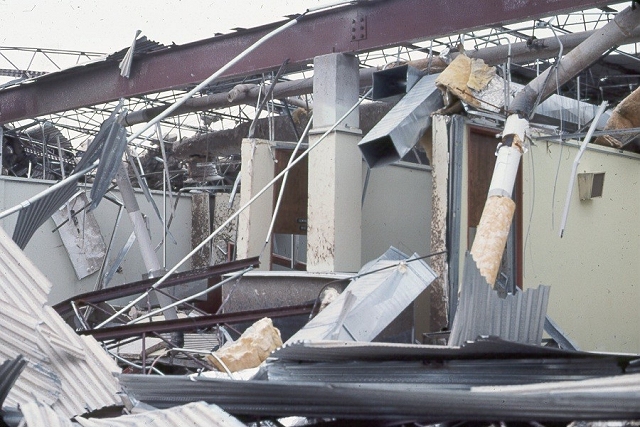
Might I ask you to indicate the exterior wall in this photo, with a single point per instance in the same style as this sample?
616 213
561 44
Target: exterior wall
593 270
48 253
397 210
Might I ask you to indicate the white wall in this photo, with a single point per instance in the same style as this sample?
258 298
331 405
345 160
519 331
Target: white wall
397 210
48 253
593 270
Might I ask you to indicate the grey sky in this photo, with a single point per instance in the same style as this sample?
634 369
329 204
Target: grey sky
107 26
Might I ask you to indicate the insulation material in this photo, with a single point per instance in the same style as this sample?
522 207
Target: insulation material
70 373
480 74
250 350
625 115
491 235
473 82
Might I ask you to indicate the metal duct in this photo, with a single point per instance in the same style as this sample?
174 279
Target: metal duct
396 134
394 82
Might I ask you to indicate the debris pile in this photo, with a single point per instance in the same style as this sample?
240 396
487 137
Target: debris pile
314 378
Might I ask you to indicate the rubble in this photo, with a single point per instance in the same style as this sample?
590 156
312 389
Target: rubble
92 361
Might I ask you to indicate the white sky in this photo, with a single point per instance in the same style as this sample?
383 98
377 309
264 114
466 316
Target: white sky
109 25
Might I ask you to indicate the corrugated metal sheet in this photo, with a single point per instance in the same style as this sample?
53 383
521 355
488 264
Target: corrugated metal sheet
37 414
10 370
481 311
191 414
446 373
483 348
396 134
110 144
34 215
378 295
613 398
73 374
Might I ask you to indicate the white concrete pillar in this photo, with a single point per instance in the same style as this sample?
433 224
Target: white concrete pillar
253 222
335 169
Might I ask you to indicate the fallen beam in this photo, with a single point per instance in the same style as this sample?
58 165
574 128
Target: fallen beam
194 323
65 307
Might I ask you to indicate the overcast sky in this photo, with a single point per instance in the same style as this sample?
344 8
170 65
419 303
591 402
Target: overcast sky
107 26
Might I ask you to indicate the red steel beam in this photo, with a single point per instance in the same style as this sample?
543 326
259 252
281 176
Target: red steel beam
194 323
363 26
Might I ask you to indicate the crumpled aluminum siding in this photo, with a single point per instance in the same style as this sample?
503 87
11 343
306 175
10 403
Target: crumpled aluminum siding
384 289
110 162
37 414
10 370
191 414
613 398
481 311
71 373
108 146
34 215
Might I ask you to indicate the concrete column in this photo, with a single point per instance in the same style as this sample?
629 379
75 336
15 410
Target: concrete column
440 158
335 169
253 222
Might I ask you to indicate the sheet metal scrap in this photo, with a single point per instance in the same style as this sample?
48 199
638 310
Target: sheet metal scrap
381 291
481 311
36 413
191 414
108 146
70 373
599 399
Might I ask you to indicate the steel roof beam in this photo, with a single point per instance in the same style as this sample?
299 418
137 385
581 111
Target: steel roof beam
363 26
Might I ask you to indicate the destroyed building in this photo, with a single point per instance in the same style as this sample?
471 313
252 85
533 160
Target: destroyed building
424 216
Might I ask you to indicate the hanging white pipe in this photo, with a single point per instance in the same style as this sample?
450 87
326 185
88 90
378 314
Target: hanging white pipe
576 163
238 212
497 215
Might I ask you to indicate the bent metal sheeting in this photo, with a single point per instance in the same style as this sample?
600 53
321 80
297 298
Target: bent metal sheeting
70 373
